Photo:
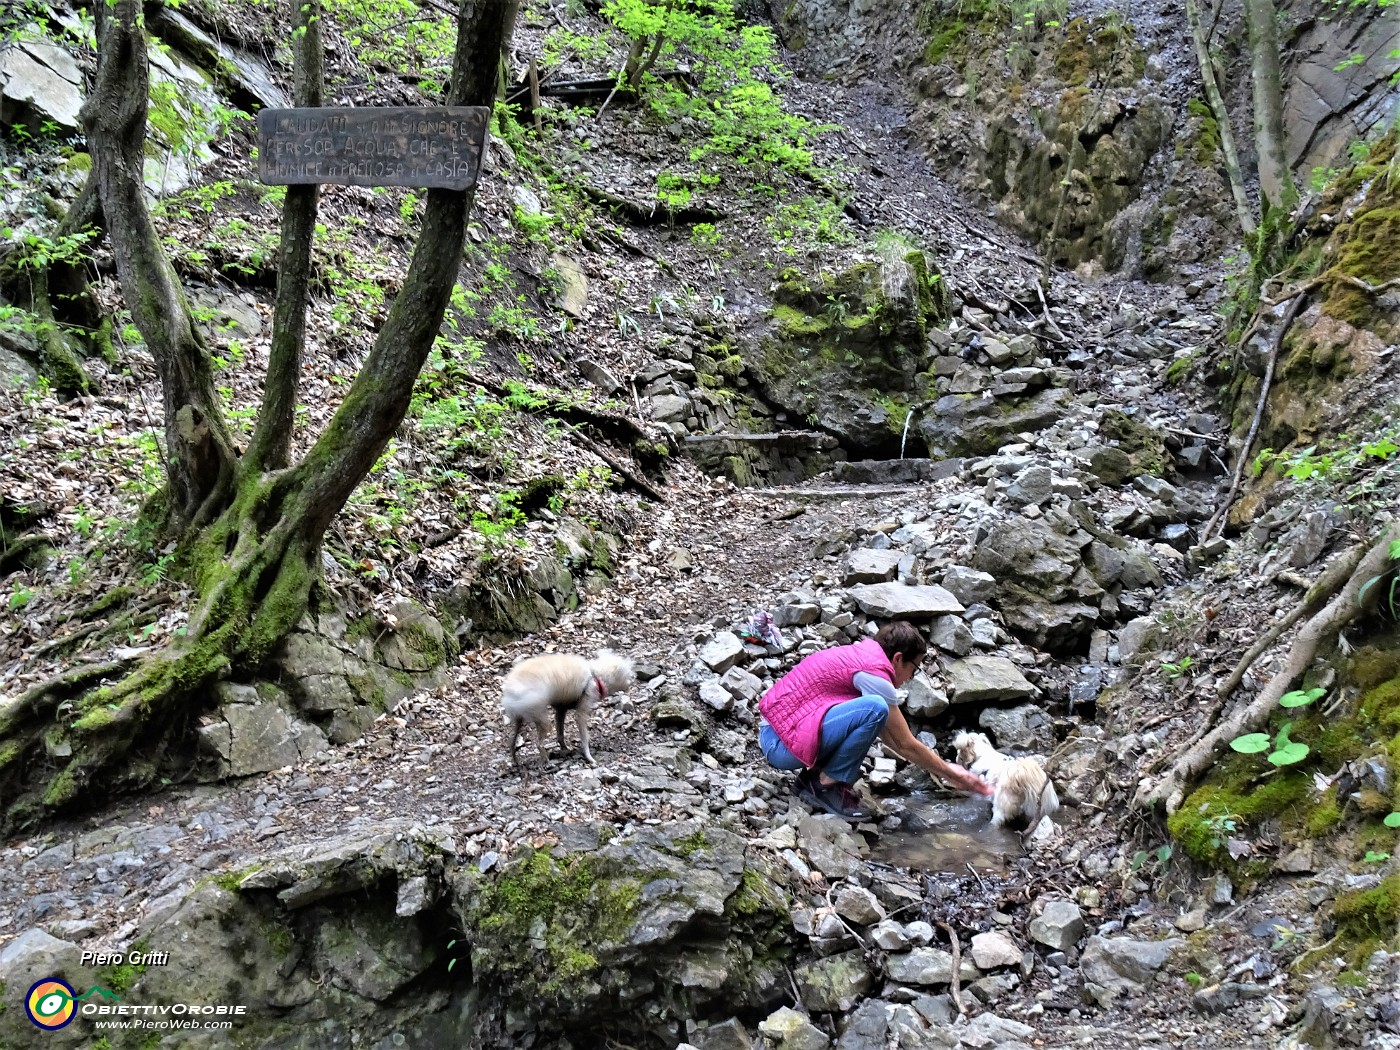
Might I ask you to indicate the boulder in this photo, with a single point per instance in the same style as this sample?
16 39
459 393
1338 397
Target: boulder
1061 628
1111 465
896 601
870 566
741 683
865 1027
924 966
1059 925
970 586
714 695
986 1031
1138 637
599 375
984 679
802 614
994 950
415 642
16 372
1123 963
1034 485
967 425
792 1031
722 652
39 82
571 293
857 904
670 408
727 1035
1031 555
834 984
951 634
923 699
1127 568
257 735
1025 727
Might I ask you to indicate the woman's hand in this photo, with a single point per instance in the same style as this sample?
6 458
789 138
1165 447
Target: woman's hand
961 779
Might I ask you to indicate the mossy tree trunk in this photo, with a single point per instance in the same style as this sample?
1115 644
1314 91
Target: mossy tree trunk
199 451
252 529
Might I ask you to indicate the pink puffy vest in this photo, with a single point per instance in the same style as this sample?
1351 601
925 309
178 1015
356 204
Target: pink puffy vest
799 700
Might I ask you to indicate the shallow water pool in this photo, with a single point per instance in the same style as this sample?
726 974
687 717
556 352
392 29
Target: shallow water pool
947 834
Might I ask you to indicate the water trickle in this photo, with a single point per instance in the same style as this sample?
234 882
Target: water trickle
905 436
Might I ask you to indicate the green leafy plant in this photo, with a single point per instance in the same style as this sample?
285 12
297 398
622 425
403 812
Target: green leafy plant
1286 751
1176 670
1374 857
1392 820
1221 827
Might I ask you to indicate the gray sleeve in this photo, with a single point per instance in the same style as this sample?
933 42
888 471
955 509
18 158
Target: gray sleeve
868 684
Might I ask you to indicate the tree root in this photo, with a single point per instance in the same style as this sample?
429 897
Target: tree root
1322 627
1242 461
651 213
630 476
1327 584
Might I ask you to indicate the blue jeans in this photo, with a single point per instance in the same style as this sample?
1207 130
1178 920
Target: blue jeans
847 732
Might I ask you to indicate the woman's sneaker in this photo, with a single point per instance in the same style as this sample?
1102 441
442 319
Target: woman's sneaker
840 799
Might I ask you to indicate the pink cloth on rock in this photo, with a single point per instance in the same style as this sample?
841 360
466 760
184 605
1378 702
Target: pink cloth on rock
799 700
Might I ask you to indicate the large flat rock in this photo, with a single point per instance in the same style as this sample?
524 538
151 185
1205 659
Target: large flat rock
896 601
984 679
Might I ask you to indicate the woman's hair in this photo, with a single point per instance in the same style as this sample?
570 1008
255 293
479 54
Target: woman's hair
902 637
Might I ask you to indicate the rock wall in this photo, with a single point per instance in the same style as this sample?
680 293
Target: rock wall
1108 98
390 935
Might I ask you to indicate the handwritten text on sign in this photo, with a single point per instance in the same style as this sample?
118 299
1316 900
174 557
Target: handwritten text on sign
432 146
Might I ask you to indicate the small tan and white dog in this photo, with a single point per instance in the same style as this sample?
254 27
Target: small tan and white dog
561 683
1022 793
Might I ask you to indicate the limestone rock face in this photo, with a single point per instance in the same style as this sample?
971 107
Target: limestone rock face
39 81
321 942
844 350
257 732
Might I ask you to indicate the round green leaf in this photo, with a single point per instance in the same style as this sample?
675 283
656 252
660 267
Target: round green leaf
1251 744
1289 753
1392 820
1300 697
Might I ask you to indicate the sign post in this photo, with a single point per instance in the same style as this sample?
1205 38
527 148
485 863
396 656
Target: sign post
420 146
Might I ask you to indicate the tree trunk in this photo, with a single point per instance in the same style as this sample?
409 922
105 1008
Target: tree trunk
1222 117
1275 180
272 438
199 452
255 563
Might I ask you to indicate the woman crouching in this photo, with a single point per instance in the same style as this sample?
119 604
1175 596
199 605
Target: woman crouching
822 716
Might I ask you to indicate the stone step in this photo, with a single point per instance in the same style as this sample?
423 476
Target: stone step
801 439
894 471
836 492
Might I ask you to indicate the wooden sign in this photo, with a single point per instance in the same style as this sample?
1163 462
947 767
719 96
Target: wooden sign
425 146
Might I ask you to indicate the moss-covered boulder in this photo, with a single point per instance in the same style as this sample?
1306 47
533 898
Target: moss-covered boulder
844 349
679 917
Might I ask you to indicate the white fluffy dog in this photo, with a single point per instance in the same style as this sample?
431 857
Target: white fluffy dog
1022 793
561 683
